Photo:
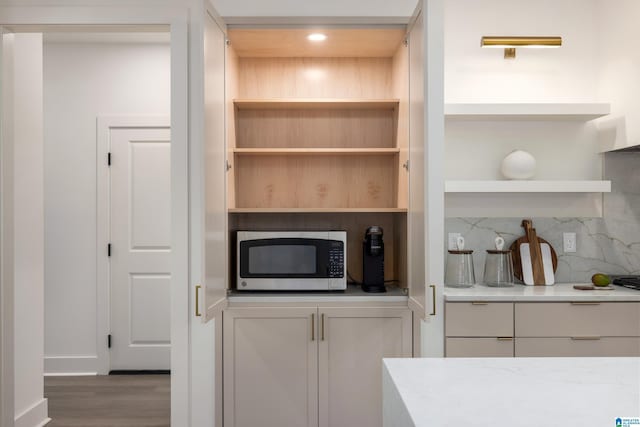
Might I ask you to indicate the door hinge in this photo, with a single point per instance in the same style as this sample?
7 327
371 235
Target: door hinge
109 341
227 165
227 42
109 249
406 165
405 42
108 159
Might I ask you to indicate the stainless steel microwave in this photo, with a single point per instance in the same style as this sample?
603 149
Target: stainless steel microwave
292 260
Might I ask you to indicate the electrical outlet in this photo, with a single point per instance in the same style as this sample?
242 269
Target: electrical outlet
453 241
569 242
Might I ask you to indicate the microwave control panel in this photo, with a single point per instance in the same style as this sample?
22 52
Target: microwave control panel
336 260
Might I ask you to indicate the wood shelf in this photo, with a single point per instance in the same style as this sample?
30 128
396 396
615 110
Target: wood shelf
315 151
533 111
316 103
528 186
317 210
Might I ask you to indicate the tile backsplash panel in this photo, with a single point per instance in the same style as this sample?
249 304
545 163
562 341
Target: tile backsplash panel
610 244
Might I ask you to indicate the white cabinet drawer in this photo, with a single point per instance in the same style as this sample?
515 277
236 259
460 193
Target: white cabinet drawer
578 347
478 319
479 347
560 319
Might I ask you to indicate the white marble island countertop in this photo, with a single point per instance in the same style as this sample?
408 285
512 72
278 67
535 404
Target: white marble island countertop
520 392
557 292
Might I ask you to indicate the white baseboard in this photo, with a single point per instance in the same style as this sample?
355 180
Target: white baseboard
36 416
70 365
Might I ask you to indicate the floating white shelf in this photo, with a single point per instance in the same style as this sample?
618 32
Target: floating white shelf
528 186
533 111
316 103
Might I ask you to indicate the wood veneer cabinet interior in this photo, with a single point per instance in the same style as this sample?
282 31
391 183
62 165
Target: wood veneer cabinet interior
299 181
339 101
292 42
280 104
355 224
316 128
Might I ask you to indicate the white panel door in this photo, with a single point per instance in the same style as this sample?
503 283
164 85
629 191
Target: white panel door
416 216
140 184
426 182
207 210
214 155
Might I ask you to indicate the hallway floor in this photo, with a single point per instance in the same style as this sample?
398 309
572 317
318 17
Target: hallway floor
109 401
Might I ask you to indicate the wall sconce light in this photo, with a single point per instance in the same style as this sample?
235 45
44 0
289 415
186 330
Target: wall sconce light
509 44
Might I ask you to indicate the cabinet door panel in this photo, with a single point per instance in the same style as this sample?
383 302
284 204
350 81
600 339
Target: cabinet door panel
270 367
352 343
568 347
479 347
565 319
466 319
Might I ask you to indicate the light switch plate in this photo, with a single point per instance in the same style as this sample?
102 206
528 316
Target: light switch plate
569 242
453 241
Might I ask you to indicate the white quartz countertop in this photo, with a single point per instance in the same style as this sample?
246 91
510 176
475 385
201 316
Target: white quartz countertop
522 392
557 292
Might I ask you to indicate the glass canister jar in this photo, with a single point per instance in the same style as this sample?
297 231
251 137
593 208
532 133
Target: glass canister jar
498 269
459 272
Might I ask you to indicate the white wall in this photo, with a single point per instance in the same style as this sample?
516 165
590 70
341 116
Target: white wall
81 82
6 231
566 74
381 8
30 406
619 68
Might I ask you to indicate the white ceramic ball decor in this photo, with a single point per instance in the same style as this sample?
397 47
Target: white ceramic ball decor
519 164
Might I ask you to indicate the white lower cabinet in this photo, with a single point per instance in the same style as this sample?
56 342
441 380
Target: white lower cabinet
479 347
569 329
479 329
309 366
578 347
270 363
542 329
352 344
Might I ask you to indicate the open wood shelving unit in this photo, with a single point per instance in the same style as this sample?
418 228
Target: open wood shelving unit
309 153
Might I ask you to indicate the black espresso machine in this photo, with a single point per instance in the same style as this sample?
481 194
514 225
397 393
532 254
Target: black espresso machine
373 260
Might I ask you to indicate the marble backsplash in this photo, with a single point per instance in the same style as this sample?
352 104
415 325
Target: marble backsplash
610 244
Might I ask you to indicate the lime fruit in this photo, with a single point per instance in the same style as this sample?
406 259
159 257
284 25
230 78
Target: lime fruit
600 279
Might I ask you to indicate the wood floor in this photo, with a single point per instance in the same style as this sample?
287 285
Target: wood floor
109 401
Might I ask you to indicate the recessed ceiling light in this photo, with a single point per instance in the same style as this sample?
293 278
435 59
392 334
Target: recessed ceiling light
317 37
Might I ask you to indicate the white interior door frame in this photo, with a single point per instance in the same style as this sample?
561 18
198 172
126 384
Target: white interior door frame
35 19
104 125
6 248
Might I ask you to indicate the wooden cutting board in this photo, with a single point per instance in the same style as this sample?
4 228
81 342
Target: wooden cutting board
534 242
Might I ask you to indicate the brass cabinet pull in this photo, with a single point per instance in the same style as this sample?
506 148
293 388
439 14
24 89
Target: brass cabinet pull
584 303
479 303
585 338
505 338
433 295
313 326
198 287
322 328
